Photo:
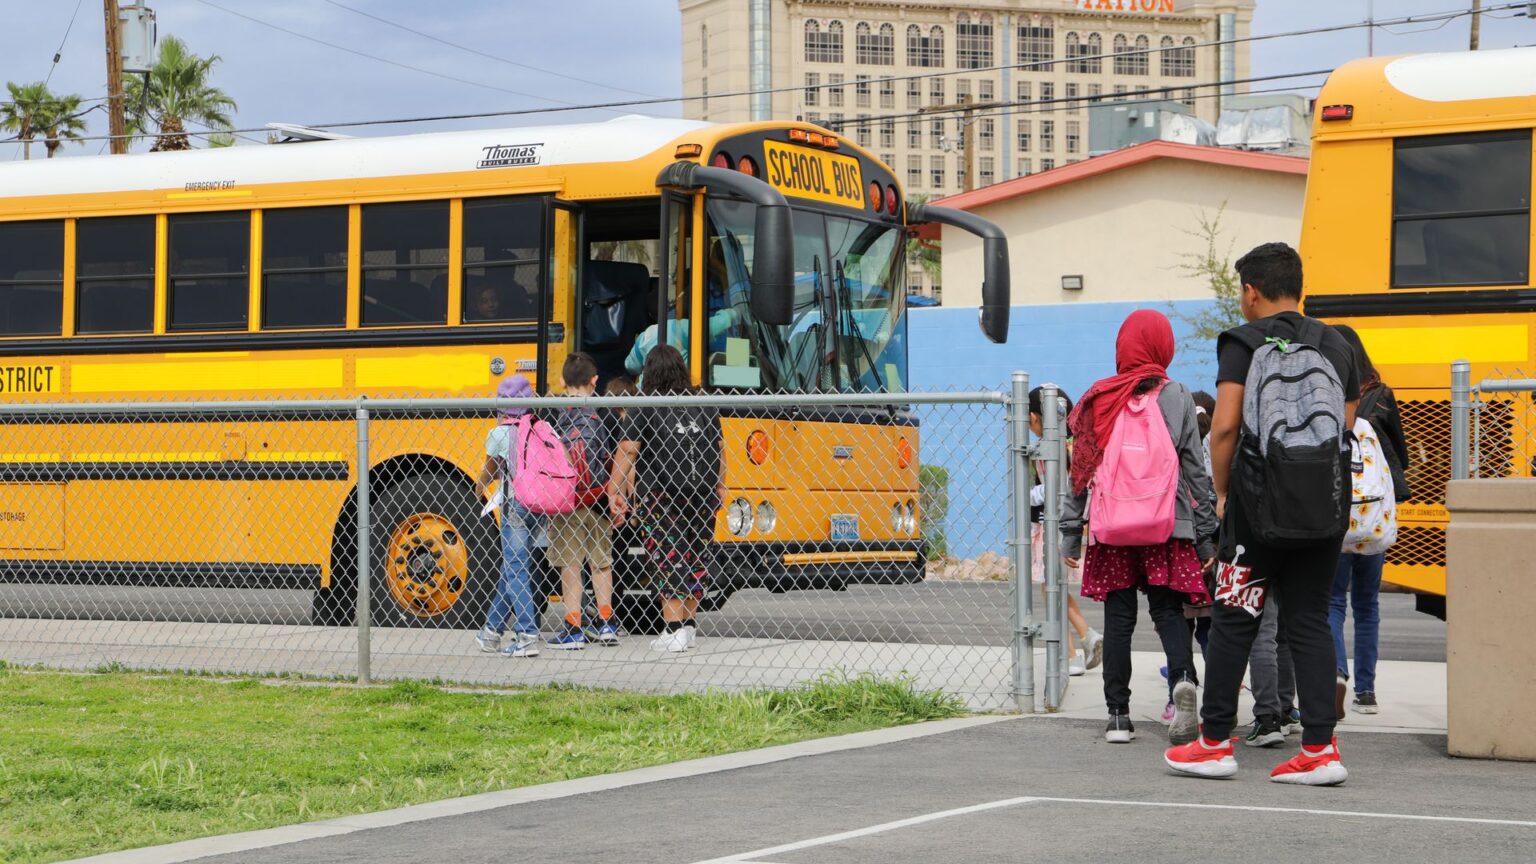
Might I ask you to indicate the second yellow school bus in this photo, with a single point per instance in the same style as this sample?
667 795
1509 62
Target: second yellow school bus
435 265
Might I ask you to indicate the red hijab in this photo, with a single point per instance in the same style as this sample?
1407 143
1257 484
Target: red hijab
1143 350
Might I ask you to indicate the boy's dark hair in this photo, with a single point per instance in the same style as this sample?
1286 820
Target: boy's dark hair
1274 269
621 385
1034 402
579 369
665 372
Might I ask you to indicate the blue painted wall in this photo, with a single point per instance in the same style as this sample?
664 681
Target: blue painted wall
1071 345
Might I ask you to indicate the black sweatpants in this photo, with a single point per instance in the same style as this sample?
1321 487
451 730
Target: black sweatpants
1167 608
1302 578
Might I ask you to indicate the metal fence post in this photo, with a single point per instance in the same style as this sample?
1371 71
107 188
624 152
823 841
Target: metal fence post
364 548
1050 531
1018 545
1461 420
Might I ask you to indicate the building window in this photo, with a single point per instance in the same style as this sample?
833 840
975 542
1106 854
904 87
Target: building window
973 41
1024 136
1083 56
835 121
1072 99
861 131
405 263
1141 61
1023 91
1095 94
812 88
914 172
1178 62
835 90
209 262
962 89
936 134
823 46
813 117
704 97
1048 94
704 46
987 171
1187 97
304 268
887 134
861 91
1127 61
935 91
874 48
1119 92
925 51
936 171
889 159
32 278
1047 164
987 91
986 134
1074 136
887 93
1024 168
1037 42
914 93
1047 135
914 134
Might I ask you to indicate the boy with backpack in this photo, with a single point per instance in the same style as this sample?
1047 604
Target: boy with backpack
1141 496
1285 402
582 537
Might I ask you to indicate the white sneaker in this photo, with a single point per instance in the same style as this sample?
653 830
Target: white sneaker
693 633
674 642
1076 668
488 640
523 645
1093 649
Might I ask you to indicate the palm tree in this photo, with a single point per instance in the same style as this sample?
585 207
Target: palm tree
177 90
20 114
59 119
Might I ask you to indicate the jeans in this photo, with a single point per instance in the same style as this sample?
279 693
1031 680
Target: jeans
1167 608
1358 581
1270 673
514 592
1301 577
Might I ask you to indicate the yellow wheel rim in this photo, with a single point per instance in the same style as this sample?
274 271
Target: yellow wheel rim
427 567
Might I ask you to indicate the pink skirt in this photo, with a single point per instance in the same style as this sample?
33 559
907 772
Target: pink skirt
1173 565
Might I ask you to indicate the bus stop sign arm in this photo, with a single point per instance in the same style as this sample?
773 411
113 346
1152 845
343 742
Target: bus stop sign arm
994 256
773 274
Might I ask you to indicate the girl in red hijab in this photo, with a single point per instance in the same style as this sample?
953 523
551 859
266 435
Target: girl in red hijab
1169 573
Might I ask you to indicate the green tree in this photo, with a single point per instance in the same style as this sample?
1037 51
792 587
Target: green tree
20 114
924 253
1213 266
60 122
177 90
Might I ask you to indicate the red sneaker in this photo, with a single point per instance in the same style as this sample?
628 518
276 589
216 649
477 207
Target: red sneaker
1202 757
1313 766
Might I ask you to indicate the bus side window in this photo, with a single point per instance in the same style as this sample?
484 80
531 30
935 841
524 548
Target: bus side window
31 278
115 274
503 264
209 258
405 263
304 268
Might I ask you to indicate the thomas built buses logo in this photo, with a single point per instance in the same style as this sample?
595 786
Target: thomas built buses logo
510 155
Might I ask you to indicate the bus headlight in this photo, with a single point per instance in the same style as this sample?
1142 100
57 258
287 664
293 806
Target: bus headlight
911 518
767 518
898 518
738 517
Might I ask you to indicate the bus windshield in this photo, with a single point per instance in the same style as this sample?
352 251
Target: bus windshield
849 329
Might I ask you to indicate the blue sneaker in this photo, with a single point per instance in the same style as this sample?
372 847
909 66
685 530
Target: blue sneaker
569 639
607 634
1163 672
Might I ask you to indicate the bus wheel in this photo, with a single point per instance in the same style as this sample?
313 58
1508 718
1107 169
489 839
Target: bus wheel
434 558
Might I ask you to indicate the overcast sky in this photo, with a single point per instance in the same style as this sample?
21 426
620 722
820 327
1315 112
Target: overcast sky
629 48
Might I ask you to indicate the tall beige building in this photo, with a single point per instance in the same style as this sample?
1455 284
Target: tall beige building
1039 61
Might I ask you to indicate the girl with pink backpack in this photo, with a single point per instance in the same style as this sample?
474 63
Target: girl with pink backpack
1141 502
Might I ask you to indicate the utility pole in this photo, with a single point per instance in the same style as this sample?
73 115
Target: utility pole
115 80
1477 22
967 110
1370 28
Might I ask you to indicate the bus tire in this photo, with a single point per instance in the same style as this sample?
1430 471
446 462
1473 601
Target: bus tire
435 559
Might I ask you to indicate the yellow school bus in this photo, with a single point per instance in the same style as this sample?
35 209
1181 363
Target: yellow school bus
1417 233
434 265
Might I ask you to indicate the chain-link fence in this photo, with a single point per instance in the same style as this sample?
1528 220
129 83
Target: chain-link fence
1493 424
748 541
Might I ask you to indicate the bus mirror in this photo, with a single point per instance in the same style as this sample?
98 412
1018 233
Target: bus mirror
773 252
994 262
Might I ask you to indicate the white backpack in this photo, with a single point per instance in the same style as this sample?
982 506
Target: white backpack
1373 507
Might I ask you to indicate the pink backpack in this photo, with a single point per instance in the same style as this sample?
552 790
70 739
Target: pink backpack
545 482
1136 485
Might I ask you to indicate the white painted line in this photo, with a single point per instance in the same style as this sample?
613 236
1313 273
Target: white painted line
189 850
748 857
1407 817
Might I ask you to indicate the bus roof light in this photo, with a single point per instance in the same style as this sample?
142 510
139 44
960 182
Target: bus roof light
688 151
1338 112
799 135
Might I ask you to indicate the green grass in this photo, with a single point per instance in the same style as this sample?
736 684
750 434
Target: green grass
93 763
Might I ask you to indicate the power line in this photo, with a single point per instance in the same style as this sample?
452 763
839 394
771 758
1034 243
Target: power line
375 57
484 54
565 107
59 54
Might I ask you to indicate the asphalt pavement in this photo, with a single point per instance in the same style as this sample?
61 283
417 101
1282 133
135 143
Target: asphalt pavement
1018 790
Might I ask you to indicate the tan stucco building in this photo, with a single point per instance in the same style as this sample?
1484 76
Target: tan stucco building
1039 62
1116 228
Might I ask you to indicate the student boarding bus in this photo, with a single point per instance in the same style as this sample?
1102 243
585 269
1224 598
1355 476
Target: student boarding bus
436 265
1417 233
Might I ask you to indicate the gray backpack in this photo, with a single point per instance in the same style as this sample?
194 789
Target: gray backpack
1291 474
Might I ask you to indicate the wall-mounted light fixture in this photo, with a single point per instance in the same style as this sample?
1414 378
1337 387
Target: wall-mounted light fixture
1072 283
